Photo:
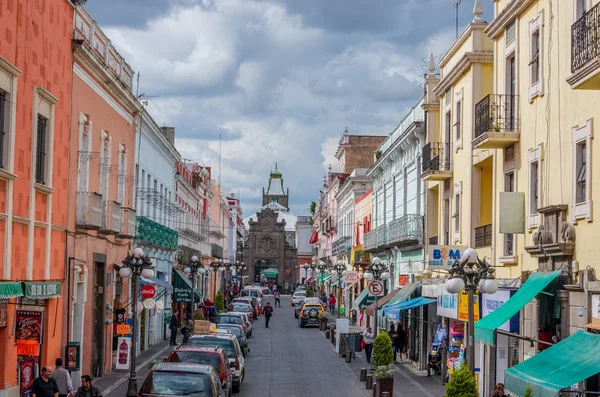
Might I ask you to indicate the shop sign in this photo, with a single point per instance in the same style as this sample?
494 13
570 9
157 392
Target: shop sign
491 302
123 353
42 290
463 306
442 256
29 325
403 279
148 291
182 289
351 277
123 329
447 304
28 348
27 376
73 355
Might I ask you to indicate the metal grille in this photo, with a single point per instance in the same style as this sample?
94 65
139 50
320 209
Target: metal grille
509 241
436 157
585 38
483 236
496 113
40 164
509 153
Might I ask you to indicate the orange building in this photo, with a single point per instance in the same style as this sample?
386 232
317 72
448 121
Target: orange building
35 101
101 220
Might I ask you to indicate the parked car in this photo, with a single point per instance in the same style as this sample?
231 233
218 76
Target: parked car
239 332
229 318
208 355
247 320
182 379
242 308
249 300
252 292
309 315
231 346
298 308
298 297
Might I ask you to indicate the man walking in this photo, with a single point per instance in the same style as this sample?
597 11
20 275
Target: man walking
62 378
268 311
173 327
277 298
332 304
44 385
87 389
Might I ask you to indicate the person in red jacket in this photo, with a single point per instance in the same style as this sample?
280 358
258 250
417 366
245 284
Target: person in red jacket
332 304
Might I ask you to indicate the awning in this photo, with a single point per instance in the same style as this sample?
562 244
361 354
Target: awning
156 281
393 312
314 237
362 300
568 362
334 281
407 291
270 272
41 289
370 310
322 277
485 328
11 289
182 288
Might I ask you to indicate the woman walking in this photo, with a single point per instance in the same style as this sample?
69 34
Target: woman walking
400 342
394 337
368 338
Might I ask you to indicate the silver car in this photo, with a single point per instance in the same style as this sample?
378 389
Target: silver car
246 319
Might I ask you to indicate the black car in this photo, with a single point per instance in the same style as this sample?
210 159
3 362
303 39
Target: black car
182 379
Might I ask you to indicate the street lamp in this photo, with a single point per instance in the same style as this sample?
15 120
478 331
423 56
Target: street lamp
340 268
135 264
193 268
471 274
313 268
376 271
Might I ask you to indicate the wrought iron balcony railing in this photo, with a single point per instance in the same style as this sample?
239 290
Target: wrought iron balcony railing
381 232
436 157
341 244
406 231
496 113
483 236
585 39
370 240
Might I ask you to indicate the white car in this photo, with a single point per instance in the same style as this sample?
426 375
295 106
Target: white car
298 297
252 292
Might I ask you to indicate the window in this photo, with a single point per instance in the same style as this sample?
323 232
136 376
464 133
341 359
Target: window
448 96
582 169
41 148
581 7
446 221
511 33
122 178
458 124
457 207
509 238
535 187
448 127
3 125
536 57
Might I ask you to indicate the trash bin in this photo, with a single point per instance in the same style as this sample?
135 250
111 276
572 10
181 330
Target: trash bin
358 337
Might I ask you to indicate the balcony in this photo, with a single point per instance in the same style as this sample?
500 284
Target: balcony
129 223
156 234
89 210
406 232
381 233
342 244
370 240
216 251
436 161
111 217
585 51
483 236
496 121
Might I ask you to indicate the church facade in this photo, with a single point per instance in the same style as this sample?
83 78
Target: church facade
270 246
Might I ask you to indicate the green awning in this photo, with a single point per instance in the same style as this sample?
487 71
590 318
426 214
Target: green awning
335 282
270 272
322 277
485 328
568 362
362 300
11 289
405 293
182 287
41 289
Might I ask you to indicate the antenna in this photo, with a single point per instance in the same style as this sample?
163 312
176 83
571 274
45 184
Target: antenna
456 6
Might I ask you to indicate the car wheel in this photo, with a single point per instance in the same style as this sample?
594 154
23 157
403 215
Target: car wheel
236 387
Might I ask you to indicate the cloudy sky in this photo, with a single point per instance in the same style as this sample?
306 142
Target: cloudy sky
278 80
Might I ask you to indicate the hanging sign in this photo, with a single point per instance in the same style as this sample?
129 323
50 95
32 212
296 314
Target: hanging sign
27 376
123 329
28 348
29 325
148 291
351 277
124 352
442 256
463 306
73 354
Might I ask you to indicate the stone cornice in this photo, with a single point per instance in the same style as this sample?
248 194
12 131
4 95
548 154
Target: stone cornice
459 42
461 67
506 17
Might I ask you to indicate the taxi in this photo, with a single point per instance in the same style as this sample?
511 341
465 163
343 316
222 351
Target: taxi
310 313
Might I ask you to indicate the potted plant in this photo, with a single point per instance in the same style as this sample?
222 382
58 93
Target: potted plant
462 383
220 302
382 358
323 321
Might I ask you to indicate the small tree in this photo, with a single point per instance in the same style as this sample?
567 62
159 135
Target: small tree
462 383
528 392
220 302
309 292
382 350
198 315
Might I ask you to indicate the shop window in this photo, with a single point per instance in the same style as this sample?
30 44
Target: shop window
582 170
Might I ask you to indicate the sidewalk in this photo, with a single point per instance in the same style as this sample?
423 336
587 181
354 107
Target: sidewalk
110 382
408 380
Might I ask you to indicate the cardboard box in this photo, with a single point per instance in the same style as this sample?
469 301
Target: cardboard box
201 326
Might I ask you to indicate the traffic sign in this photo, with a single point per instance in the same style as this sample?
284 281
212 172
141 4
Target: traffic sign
376 288
148 291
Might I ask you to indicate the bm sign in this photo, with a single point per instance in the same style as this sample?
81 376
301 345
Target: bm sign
442 256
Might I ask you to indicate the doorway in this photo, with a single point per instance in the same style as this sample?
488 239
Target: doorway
98 318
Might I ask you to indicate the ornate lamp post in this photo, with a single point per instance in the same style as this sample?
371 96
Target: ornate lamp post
340 268
239 266
376 271
471 274
194 268
313 268
135 264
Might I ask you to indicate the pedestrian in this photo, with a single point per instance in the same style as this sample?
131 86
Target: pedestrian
87 389
277 298
332 304
394 337
62 377
44 385
368 338
268 311
324 299
400 341
499 390
173 327
434 361
342 310
186 330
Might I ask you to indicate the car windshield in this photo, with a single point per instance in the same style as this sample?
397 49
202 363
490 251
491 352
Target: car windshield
229 320
179 384
240 308
250 292
237 331
226 344
299 294
196 358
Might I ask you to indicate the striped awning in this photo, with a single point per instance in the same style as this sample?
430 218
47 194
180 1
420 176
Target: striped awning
11 289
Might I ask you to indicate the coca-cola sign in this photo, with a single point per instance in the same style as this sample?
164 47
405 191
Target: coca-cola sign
29 325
